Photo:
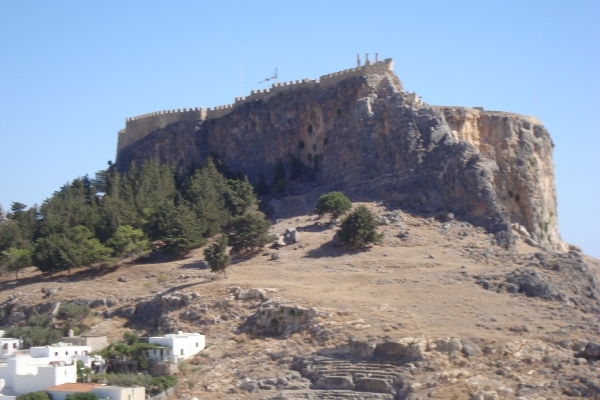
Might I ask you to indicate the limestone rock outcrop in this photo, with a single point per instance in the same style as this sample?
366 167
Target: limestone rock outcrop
365 135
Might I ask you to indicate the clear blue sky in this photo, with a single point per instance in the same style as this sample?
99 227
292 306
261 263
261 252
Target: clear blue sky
71 72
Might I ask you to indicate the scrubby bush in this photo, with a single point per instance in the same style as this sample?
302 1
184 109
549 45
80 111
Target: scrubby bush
34 396
72 312
333 203
37 332
82 396
359 229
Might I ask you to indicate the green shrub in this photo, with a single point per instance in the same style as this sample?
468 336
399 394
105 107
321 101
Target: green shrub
359 229
131 338
34 396
334 203
82 396
73 312
35 335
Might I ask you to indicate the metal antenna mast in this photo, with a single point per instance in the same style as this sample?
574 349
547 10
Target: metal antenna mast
242 72
274 77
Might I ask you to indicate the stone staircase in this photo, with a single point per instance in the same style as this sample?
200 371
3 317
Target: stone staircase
347 377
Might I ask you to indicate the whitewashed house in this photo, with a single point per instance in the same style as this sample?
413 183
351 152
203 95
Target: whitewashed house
23 374
60 392
9 346
175 347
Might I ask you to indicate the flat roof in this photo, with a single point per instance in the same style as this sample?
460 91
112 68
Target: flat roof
74 387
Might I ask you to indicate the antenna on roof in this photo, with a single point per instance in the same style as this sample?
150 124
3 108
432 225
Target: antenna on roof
274 77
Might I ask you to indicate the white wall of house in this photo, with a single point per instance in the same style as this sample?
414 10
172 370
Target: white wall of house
120 393
164 353
9 346
24 374
183 345
65 351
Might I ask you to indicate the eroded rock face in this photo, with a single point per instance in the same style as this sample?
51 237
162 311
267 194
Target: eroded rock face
364 135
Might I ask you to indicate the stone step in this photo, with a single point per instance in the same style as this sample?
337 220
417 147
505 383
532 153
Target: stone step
355 371
349 394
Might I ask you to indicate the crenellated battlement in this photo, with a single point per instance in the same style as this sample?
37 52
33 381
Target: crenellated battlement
138 127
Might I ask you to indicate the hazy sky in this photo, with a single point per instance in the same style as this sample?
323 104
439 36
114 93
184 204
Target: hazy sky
71 72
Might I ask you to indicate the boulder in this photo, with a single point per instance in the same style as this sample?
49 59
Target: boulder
591 351
280 242
275 255
291 236
126 312
470 349
250 294
449 346
97 303
520 229
534 284
445 217
249 386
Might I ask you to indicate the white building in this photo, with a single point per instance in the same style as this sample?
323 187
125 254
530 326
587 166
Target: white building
9 346
23 374
60 392
175 347
63 352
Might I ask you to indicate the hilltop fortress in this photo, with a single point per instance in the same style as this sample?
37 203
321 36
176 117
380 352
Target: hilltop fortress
358 131
138 127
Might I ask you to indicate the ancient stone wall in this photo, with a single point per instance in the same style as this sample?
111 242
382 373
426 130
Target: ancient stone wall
138 127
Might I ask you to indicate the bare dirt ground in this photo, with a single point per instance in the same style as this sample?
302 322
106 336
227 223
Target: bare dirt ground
421 282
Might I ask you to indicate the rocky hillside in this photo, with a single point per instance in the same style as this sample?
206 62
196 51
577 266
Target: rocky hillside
364 135
434 311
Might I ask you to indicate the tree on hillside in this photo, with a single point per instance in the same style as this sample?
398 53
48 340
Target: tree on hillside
206 190
249 231
129 242
216 255
15 259
334 203
239 196
359 229
75 248
38 331
180 228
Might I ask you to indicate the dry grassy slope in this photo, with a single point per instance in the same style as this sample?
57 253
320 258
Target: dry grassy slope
422 286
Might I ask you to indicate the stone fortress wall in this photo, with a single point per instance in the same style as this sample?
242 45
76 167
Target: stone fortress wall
138 127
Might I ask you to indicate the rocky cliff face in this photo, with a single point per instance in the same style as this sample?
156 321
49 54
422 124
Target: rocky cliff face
365 135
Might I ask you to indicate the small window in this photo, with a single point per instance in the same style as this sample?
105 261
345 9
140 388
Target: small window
181 351
197 345
66 353
65 371
5 347
14 345
75 352
56 353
